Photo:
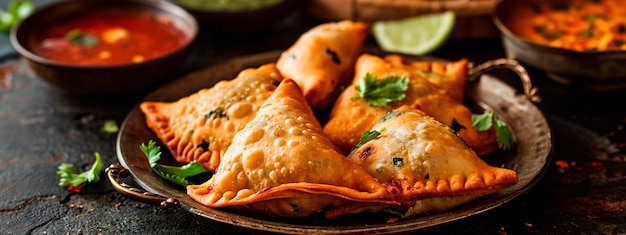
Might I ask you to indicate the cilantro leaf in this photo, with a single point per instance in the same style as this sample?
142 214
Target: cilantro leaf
174 174
366 137
77 36
389 115
152 152
483 122
110 127
70 176
380 92
505 140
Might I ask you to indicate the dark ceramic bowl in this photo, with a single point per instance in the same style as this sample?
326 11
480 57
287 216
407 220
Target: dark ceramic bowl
102 79
241 21
594 70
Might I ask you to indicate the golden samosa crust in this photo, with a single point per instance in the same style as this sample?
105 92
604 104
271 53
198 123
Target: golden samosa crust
349 117
201 126
322 60
449 76
283 164
425 164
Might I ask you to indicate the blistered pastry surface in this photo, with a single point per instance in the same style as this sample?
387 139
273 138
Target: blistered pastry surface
200 127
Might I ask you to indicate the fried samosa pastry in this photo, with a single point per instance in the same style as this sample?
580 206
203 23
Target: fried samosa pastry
282 164
350 117
322 59
201 126
450 76
425 164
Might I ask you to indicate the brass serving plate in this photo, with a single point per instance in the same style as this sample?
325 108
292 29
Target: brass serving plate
530 157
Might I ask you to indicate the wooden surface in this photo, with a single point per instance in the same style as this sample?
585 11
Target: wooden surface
42 127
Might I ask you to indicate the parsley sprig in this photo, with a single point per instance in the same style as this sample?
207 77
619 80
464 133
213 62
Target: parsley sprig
380 92
174 174
483 122
73 180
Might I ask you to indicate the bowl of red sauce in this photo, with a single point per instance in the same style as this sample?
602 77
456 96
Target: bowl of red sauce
105 46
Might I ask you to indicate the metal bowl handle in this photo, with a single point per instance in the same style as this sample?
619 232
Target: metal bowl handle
529 91
115 173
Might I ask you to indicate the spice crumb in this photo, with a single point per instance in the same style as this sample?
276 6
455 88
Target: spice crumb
563 165
392 220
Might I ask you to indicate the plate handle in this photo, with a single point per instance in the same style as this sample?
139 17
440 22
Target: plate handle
505 63
115 173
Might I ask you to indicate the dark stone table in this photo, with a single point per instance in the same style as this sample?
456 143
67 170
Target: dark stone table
42 127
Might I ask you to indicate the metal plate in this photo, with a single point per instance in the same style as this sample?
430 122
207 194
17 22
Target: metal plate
529 158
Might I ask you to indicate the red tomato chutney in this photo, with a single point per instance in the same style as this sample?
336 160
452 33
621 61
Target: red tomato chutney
109 38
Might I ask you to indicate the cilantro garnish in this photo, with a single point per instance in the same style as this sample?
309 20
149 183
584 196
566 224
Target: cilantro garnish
366 137
80 38
397 161
217 113
174 174
17 10
547 33
483 122
110 127
74 180
389 115
381 92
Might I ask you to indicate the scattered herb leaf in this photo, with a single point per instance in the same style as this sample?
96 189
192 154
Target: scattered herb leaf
366 137
73 180
389 115
17 10
174 174
456 126
483 122
152 152
77 36
546 33
590 18
206 146
505 139
217 113
587 33
381 92
333 56
397 161
110 127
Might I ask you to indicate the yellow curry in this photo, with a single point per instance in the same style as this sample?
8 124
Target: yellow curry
581 25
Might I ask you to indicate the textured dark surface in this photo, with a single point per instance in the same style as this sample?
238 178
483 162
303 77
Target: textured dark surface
41 127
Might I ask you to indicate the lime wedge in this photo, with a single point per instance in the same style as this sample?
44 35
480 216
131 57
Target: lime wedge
416 35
